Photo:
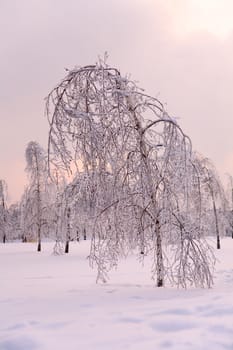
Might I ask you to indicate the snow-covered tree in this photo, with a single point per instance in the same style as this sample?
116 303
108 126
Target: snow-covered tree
102 123
34 202
229 195
14 222
214 199
3 211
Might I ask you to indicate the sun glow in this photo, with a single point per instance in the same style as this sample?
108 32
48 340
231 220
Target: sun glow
214 16
191 16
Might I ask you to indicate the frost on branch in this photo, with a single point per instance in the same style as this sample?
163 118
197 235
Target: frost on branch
143 188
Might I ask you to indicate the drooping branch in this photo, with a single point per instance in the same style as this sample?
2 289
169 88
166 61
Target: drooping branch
136 165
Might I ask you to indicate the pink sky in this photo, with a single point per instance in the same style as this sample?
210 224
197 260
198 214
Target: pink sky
181 53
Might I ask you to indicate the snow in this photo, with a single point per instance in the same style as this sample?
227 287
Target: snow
52 302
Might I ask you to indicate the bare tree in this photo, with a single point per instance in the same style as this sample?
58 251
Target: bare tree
53 216
3 210
230 200
14 227
35 205
102 123
213 191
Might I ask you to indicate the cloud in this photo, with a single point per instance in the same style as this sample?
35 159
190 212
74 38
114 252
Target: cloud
193 16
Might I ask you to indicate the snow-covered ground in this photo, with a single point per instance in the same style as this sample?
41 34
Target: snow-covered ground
52 302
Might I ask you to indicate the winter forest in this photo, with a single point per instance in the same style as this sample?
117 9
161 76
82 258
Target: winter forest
116 175
119 197
121 173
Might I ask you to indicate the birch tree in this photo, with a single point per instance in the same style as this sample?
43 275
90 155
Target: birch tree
56 218
215 194
35 205
14 227
3 211
102 123
230 201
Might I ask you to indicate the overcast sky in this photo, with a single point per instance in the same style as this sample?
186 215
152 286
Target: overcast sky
180 51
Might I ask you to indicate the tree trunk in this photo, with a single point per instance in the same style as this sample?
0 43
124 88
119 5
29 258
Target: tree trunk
158 252
232 220
67 247
232 213
39 238
4 238
159 255
39 246
39 213
216 223
67 231
84 235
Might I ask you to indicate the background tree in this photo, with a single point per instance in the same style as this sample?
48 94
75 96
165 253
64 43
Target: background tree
66 217
229 195
216 203
14 222
53 217
35 205
3 211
